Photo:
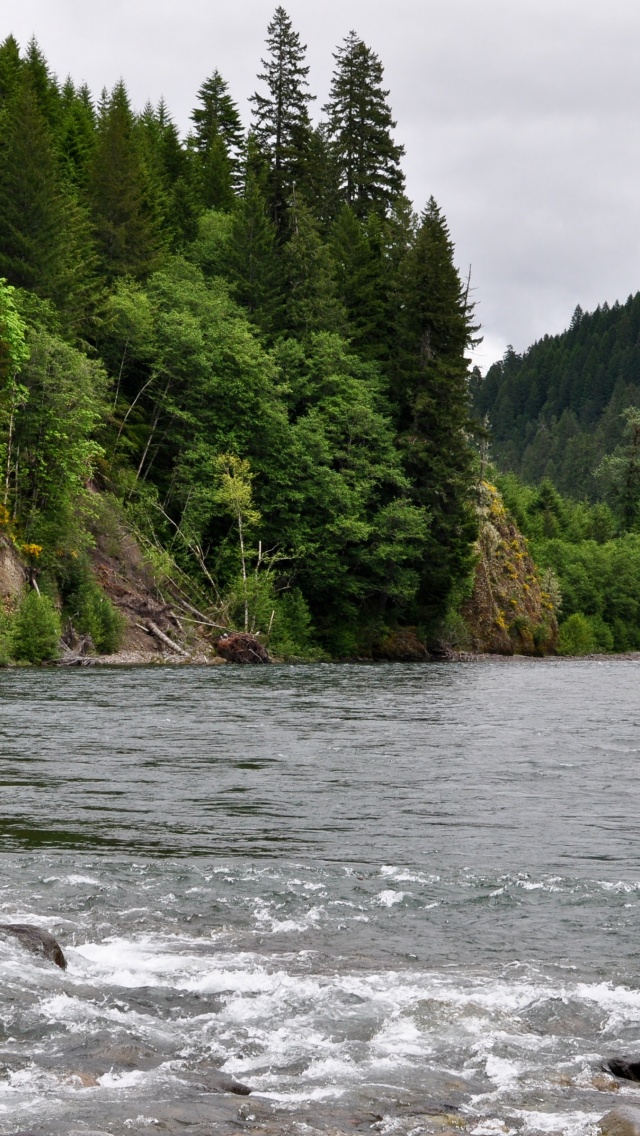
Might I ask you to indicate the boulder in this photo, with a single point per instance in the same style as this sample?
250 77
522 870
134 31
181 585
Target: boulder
36 940
623 1121
242 648
623 1068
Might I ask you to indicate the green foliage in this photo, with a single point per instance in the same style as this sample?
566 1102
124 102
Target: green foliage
36 630
125 210
281 124
576 636
88 608
359 128
430 393
597 572
555 411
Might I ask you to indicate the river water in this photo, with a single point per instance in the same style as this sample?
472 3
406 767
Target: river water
393 899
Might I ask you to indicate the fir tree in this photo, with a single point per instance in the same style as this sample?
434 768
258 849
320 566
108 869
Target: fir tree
361 277
10 68
281 125
430 391
125 213
251 261
44 84
312 302
31 211
360 127
218 140
76 134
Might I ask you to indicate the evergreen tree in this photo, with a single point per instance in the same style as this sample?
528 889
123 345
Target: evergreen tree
10 68
251 261
312 304
360 127
31 212
430 391
218 140
44 84
281 125
76 134
124 210
361 277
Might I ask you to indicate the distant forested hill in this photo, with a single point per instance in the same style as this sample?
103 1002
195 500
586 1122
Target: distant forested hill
557 410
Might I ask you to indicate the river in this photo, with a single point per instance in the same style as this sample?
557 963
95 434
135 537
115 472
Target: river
392 899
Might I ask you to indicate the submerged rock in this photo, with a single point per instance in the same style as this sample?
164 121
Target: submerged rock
242 648
35 940
623 1121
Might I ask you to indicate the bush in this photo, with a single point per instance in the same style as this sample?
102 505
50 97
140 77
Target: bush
576 636
36 630
90 611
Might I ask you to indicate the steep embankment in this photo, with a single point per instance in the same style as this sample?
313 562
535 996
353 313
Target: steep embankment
509 613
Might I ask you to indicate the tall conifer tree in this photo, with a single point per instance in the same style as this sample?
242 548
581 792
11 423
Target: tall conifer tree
435 330
218 140
31 212
281 124
124 211
360 126
10 68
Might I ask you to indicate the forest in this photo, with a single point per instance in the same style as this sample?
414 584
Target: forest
246 345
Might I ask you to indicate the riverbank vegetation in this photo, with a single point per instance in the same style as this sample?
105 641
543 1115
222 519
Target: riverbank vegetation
245 347
246 338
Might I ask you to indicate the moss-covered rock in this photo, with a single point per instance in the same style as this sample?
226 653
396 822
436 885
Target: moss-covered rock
509 612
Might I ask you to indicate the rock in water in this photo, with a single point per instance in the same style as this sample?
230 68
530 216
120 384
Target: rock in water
627 1070
36 940
624 1121
241 648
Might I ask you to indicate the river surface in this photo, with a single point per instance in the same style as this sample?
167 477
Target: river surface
392 899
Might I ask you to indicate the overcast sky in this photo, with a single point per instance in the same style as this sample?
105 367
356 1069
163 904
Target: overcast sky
522 118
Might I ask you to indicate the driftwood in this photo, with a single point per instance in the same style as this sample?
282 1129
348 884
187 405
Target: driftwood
154 630
242 648
36 940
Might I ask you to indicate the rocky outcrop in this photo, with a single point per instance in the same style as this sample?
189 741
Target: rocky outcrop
35 940
509 613
242 648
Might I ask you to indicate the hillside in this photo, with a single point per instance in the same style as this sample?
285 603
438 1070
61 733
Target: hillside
556 411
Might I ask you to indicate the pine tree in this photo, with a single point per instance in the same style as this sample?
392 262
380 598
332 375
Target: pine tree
360 127
218 140
123 205
281 125
430 392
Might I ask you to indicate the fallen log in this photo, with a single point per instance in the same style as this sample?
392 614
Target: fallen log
154 630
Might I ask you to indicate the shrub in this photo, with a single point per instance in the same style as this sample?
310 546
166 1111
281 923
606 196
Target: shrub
36 630
89 609
576 636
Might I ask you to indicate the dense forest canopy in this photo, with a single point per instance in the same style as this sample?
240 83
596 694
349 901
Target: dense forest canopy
245 337
557 411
